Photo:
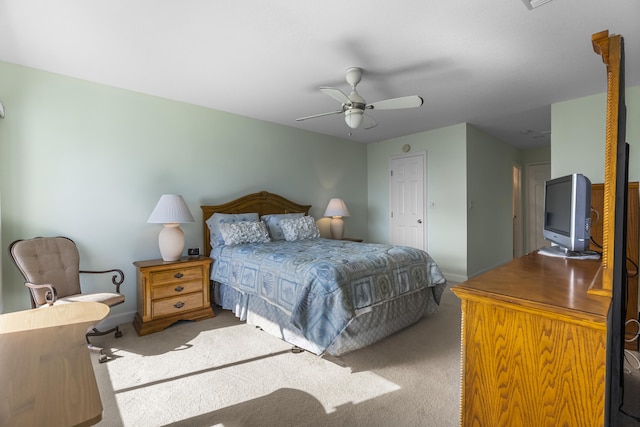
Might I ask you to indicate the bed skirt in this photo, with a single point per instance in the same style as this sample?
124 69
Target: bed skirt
370 324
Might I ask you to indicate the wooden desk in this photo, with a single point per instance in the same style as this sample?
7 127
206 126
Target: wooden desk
534 344
46 376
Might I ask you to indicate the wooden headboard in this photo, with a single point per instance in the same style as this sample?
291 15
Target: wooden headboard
263 203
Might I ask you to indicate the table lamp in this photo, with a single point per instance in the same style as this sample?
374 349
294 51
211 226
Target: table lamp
336 209
171 211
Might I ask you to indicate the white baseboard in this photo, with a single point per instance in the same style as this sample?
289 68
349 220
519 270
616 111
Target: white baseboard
456 278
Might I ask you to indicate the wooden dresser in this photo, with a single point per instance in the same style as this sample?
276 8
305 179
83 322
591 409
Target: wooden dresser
534 344
171 291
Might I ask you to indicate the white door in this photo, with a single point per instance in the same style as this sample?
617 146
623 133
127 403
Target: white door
407 187
536 176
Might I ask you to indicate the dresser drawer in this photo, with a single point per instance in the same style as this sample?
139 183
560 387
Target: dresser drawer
175 289
177 304
159 278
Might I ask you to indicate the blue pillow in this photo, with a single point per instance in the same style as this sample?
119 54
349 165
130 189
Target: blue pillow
273 223
219 218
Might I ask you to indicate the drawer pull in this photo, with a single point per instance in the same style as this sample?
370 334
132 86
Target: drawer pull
179 289
179 304
178 275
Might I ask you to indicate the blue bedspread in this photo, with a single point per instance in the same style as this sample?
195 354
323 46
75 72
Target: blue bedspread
322 284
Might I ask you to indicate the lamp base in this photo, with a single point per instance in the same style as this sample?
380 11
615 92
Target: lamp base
171 242
337 228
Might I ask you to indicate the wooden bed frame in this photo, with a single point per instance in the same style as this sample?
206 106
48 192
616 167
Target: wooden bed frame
264 203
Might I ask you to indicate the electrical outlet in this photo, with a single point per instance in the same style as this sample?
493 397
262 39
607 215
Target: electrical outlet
193 251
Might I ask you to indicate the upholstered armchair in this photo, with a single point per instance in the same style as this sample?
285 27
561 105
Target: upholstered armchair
51 270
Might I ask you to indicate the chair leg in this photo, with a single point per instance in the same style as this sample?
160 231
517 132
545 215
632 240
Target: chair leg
103 357
95 332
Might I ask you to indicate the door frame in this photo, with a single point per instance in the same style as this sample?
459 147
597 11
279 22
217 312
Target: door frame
425 182
518 230
530 226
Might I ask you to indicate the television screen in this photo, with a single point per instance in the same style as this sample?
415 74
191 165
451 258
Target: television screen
558 206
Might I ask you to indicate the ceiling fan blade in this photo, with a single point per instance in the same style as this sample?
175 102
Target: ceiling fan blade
412 101
368 122
319 115
336 94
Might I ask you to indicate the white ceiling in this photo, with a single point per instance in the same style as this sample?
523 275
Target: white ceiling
492 63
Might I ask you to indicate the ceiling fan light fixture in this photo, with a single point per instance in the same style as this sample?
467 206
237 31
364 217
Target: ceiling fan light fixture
353 117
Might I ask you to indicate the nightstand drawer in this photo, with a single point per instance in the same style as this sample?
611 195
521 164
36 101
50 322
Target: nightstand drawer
175 289
177 304
176 275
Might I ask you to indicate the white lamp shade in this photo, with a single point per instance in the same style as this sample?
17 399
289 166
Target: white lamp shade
171 208
336 207
353 118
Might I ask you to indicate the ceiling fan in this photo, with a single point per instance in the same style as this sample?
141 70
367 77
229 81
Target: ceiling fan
354 106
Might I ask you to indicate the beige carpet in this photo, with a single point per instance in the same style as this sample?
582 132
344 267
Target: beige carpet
223 372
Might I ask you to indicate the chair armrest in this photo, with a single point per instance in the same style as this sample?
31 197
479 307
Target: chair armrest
116 279
50 296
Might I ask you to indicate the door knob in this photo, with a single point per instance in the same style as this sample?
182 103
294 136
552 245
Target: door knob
419 221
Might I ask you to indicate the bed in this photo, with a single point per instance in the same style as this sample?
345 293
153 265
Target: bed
272 270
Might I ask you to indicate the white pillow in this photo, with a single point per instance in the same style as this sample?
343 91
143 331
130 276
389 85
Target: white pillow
273 223
216 219
300 228
235 233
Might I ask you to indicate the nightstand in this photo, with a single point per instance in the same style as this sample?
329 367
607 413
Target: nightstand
169 291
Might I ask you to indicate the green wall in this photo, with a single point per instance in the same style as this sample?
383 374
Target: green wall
90 162
490 164
446 193
578 136
579 131
469 192
536 155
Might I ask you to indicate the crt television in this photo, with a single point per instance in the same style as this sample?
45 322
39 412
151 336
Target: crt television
567 212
